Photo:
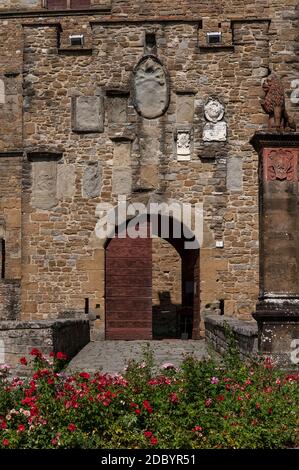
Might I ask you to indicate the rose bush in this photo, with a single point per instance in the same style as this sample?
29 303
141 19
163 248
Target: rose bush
202 405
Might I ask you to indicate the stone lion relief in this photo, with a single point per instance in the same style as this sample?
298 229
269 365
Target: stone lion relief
280 164
150 88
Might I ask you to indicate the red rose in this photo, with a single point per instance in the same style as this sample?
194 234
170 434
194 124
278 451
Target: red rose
153 441
137 411
23 361
36 352
174 398
147 434
197 429
61 356
220 398
84 375
208 402
21 428
147 406
5 442
72 427
3 425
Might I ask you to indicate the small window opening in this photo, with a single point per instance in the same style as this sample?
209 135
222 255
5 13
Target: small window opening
77 40
221 306
214 38
150 40
86 308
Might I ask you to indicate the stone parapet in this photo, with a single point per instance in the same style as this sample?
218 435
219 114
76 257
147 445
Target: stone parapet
17 338
245 333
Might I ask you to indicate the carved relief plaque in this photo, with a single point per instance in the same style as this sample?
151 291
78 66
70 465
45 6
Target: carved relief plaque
183 145
280 164
150 88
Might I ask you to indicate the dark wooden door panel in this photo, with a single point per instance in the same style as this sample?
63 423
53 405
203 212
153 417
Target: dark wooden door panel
129 289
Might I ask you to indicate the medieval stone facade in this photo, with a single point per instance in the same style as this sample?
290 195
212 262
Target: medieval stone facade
156 101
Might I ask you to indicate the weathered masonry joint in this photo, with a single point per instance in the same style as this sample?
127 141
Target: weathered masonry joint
152 103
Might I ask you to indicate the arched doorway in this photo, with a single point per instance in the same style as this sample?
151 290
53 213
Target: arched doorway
131 310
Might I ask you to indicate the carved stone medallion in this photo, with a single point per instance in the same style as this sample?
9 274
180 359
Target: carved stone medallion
280 164
150 88
214 110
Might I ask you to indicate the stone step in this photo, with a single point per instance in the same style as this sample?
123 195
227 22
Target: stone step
113 356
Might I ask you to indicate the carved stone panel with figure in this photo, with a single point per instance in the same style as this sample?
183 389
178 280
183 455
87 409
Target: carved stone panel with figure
150 88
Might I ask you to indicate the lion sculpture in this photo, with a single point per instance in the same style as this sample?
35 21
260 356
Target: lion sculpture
274 105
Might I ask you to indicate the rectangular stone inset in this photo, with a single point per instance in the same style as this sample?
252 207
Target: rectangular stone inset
184 108
92 180
280 164
44 187
122 155
117 109
122 181
66 181
234 178
87 114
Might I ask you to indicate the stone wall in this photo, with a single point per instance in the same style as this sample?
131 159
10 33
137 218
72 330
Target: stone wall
245 334
167 158
10 305
10 212
18 338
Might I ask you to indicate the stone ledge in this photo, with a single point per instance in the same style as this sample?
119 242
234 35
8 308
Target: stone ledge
245 333
8 14
38 324
245 328
17 338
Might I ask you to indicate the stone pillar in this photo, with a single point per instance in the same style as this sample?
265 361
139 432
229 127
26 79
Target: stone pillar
277 311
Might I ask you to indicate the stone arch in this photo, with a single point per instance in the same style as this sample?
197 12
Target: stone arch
128 283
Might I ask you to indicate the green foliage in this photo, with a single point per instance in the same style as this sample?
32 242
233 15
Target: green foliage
200 406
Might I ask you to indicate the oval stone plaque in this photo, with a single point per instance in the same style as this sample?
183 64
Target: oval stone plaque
150 88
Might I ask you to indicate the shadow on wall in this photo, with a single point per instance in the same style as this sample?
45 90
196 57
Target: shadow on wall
171 321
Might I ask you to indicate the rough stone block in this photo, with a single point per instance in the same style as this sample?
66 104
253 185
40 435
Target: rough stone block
117 109
44 188
66 176
92 180
88 114
122 155
122 180
234 179
185 108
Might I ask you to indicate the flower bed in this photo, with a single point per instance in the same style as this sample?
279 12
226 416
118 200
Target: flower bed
203 405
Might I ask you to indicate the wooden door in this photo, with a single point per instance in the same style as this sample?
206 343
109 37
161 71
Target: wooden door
129 289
